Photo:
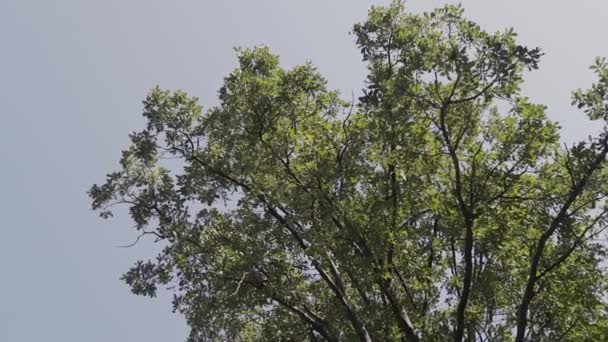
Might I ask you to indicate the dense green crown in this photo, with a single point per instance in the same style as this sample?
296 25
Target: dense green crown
440 206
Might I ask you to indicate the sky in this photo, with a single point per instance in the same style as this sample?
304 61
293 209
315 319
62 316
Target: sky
73 74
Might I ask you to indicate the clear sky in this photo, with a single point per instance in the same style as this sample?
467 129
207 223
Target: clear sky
72 77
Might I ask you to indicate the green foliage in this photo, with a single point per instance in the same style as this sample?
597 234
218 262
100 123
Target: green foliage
439 207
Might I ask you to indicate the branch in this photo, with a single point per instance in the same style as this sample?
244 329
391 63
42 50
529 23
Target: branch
575 192
577 242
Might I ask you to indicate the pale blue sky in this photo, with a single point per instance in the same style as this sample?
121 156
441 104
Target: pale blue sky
72 77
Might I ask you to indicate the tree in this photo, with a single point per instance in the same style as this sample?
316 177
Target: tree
440 206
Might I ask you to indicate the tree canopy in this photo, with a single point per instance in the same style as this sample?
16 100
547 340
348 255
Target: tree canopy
441 205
